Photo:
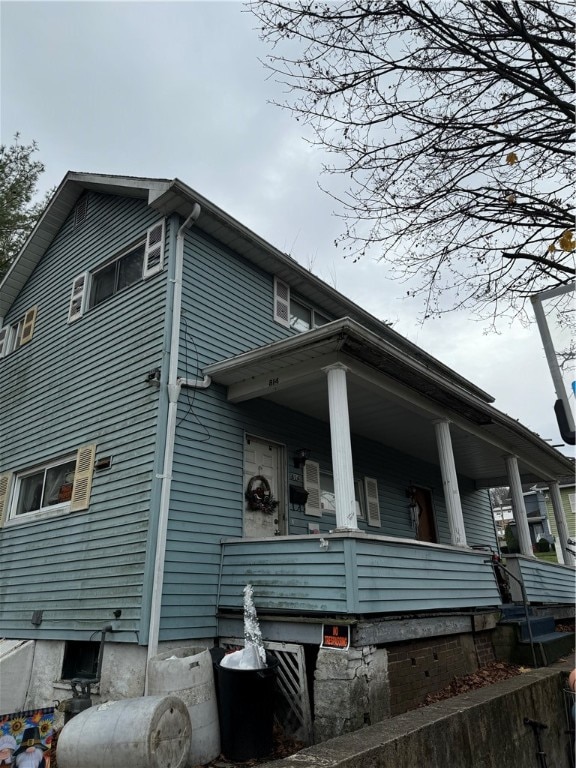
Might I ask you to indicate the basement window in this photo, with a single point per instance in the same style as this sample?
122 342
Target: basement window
80 660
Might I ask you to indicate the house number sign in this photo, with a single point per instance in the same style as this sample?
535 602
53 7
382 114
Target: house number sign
336 636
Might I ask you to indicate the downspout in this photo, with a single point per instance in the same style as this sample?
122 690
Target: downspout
174 385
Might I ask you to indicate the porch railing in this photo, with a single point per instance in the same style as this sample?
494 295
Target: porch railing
544 582
354 573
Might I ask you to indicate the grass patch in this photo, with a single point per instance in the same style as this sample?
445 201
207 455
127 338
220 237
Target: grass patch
549 557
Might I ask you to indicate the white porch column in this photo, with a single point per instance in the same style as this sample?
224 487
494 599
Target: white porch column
560 517
518 506
450 483
341 448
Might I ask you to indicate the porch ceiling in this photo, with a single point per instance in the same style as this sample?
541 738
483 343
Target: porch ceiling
392 399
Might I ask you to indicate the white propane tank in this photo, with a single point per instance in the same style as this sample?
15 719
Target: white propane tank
148 732
188 673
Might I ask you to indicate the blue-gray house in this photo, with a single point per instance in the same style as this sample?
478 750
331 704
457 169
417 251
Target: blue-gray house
186 410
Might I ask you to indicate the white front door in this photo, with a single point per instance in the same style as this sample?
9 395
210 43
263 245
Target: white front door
264 459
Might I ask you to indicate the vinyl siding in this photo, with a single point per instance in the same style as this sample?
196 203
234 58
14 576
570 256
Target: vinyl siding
569 511
287 575
76 384
228 309
546 582
402 577
354 575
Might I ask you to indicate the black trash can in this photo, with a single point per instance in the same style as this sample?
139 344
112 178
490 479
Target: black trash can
245 708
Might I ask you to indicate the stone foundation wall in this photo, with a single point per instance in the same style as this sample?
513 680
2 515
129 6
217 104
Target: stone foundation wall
350 690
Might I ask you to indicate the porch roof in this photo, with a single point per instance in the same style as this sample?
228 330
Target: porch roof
393 398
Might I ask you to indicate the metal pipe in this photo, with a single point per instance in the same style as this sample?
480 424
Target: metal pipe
174 387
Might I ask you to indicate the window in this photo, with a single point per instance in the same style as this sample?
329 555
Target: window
134 264
120 274
327 495
303 318
80 660
292 313
45 488
62 485
14 336
321 496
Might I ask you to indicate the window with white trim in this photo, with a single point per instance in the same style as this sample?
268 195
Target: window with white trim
138 262
293 313
58 486
328 497
304 318
321 495
15 335
121 273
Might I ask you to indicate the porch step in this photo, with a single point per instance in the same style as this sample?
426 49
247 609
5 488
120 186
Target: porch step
543 626
548 648
549 645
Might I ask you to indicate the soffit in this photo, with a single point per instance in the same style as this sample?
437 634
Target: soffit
392 400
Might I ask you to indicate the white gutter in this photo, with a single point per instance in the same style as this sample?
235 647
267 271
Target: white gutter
174 387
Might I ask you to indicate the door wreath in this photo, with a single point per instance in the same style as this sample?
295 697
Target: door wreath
259 496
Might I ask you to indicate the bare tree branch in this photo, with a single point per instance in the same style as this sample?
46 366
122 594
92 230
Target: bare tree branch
453 122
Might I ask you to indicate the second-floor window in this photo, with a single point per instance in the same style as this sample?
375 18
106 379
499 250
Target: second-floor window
303 318
114 277
15 335
293 313
135 263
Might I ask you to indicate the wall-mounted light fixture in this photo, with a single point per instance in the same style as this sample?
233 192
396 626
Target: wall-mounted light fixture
301 456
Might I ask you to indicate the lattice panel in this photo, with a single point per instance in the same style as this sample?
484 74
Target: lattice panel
294 713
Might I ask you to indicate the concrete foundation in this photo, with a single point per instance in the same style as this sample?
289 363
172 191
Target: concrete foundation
123 673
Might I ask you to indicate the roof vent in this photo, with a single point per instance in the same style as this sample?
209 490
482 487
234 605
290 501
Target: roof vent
81 211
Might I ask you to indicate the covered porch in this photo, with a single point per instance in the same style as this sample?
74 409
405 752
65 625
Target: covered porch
388 391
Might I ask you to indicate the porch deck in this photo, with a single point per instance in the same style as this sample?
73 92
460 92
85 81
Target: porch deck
354 573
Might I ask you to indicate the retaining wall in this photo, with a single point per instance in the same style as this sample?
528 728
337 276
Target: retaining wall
481 729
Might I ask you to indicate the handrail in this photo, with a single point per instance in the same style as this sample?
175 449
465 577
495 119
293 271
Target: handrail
497 563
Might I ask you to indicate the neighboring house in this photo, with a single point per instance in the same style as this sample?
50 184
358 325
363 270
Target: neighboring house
538 523
503 516
567 488
159 362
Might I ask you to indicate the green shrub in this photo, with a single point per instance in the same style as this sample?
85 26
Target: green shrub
543 545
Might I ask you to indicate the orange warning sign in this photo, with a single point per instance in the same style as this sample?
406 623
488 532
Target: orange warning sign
335 636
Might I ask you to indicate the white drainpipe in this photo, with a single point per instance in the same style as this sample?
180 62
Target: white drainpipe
174 387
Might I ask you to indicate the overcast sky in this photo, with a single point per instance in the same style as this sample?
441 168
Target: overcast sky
177 89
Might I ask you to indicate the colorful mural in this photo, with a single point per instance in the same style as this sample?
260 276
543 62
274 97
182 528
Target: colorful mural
26 738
